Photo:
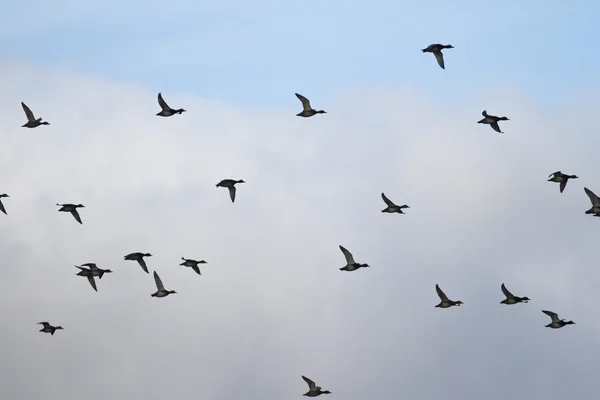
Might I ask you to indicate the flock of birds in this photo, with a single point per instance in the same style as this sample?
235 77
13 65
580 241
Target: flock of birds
91 270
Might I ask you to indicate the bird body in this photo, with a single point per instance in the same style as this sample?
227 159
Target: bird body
230 184
492 121
167 111
436 49
307 110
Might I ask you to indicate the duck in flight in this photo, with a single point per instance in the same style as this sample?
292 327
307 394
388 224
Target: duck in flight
160 292
595 210
166 110
436 49
72 208
49 328
2 205
230 184
91 272
556 322
313 389
562 178
307 111
391 207
351 265
187 262
445 301
510 298
492 121
139 257
32 122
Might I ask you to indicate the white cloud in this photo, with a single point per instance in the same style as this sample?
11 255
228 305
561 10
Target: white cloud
271 304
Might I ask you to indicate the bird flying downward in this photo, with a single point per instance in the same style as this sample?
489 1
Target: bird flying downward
139 257
72 208
307 111
91 272
561 178
436 49
192 264
230 184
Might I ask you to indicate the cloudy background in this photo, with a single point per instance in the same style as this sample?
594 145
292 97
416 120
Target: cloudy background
271 304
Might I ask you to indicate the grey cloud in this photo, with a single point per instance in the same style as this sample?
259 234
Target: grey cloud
271 304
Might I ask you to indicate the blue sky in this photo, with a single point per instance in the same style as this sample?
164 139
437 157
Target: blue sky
271 304
258 53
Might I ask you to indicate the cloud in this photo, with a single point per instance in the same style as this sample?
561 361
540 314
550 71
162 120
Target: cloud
271 304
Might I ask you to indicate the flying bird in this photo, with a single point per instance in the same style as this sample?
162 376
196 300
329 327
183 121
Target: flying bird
230 184
436 49
2 205
32 122
492 121
160 292
193 264
562 178
391 207
445 301
595 210
49 328
556 322
307 111
313 389
166 110
351 265
72 208
139 257
510 298
91 272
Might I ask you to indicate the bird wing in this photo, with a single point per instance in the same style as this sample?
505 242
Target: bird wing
76 216
387 201
231 192
162 103
563 184
46 324
92 282
593 198
348 255
439 57
91 265
195 268
505 291
2 207
441 294
311 384
28 113
143 264
159 284
552 315
305 102
495 126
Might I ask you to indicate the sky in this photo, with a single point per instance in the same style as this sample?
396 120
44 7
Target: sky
271 303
